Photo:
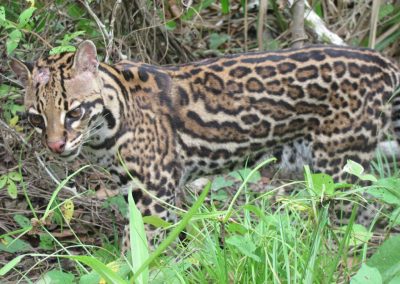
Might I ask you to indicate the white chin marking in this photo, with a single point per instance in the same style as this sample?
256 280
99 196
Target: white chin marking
71 155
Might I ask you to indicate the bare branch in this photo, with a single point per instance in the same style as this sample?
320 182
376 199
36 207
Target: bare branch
297 27
262 19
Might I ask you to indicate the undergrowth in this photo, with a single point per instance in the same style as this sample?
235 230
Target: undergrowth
293 239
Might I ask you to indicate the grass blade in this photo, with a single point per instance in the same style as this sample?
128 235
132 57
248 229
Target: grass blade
139 249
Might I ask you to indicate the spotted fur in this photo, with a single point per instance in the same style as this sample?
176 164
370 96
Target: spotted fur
318 105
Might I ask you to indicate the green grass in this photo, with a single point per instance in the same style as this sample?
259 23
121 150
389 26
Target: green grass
290 240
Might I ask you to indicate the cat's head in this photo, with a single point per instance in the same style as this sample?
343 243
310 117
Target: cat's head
62 97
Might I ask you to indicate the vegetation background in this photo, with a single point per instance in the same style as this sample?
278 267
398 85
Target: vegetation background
260 245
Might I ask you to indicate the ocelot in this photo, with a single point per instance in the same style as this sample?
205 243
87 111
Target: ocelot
317 105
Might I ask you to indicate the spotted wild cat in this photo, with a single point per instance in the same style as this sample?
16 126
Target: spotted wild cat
318 105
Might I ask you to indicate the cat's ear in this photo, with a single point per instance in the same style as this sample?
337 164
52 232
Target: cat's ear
22 70
86 57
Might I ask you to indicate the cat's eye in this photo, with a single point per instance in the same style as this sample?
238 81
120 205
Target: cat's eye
36 120
76 113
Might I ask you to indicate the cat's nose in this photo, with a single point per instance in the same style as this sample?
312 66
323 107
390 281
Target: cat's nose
56 146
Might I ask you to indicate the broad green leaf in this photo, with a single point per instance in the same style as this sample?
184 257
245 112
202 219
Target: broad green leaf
356 169
25 17
105 272
13 40
15 176
387 190
236 228
156 221
385 10
57 277
119 202
11 245
395 216
170 25
12 189
386 259
220 195
10 265
216 40
323 184
3 181
245 245
139 249
120 267
220 182
367 275
395 280
22 221
358 235
242 174
46 242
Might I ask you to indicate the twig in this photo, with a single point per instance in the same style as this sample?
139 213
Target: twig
317 25
102 27
111 34
297 28
262 19
246 15
374 23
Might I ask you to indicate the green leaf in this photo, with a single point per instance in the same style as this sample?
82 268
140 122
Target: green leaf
170 25
358 234
245 245
243 173
387 190
11 245
61 49
15 176
225 6
120 267
156 221
175 232
119 202
220 182
57 277
356 169
216 40
12 189
10 265
395 216
105 272
13 40
2 16
22 221
3 181
75 11
139 249
367 275
25 17
323 184
68 37
46 242
385 10
386 259
220 195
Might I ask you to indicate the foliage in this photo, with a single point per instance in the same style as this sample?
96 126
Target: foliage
289 239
